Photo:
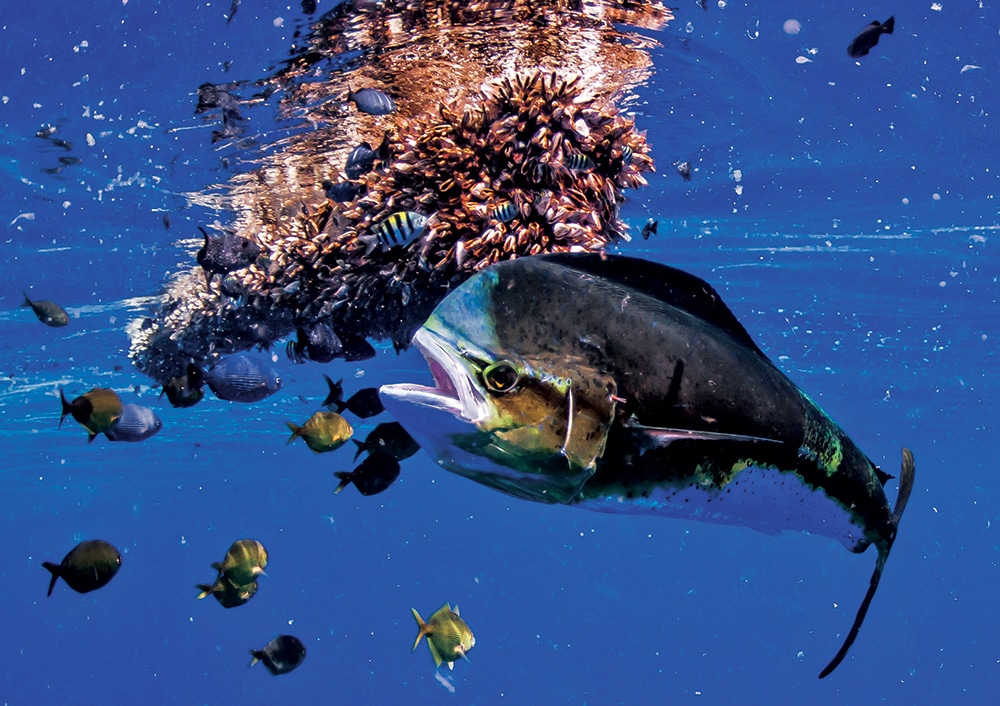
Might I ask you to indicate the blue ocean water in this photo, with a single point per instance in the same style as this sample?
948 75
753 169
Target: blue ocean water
844 210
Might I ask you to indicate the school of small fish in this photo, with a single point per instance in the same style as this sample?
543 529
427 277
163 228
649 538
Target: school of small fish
413 208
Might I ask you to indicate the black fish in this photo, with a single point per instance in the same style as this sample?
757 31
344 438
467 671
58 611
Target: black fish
355 347
166 221
372 476
342 191
364 403
185 390
226 253
233 7
88 566
308 7
391 438
240 378
318 343
649 229
869 36
49 313
137 423
684 169
372 101
281 655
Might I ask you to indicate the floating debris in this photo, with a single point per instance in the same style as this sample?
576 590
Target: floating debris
466 136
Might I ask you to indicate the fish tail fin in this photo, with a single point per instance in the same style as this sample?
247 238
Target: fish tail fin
56 571
361 447
422 629
906 478
370 241
296 431
205 589
67 409
257 656
889 24
27 302
345 480
335 396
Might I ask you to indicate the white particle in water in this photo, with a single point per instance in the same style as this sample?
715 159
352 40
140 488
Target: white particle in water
792 26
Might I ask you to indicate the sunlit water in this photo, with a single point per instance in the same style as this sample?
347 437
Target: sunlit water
845 212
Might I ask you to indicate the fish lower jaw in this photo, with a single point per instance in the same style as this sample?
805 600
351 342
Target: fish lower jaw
422 396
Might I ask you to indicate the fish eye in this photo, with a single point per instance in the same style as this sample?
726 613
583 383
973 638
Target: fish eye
501 377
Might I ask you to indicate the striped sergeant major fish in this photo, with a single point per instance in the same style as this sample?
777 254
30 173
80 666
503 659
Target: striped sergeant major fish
578 162
504 211
399 228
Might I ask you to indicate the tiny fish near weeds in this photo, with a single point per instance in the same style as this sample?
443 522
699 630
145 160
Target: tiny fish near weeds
240 378
225 253
620 385
371 101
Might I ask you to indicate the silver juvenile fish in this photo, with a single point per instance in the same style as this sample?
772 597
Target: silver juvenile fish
240 378
137 423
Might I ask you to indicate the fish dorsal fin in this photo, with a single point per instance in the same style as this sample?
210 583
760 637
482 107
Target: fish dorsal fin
662 282
906 478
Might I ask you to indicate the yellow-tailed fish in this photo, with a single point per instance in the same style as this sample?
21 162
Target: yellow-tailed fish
448 636
322 432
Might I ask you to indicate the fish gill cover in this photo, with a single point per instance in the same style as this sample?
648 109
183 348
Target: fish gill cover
507 135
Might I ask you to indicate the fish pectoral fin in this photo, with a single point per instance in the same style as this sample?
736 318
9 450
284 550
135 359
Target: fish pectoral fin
860 617
663 436
438 659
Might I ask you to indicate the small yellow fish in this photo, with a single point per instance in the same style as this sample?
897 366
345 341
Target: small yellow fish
244 562
448 636
322 432
97 410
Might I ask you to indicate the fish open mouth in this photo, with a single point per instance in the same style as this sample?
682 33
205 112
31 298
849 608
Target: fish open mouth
455 388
